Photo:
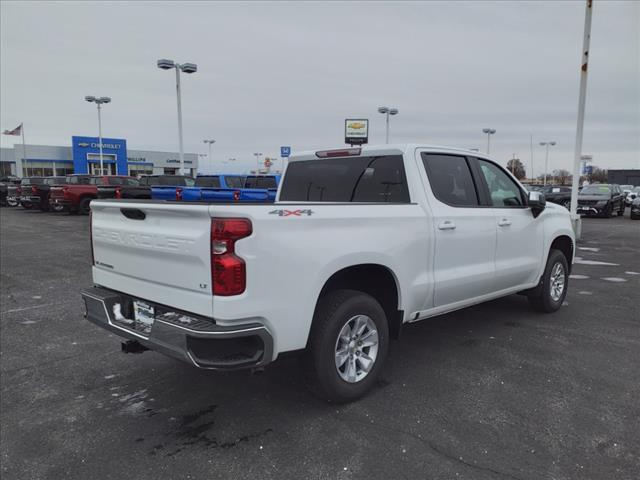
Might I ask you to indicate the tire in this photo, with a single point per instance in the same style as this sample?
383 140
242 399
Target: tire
622 208
83 207
608 211
544 298
336 314
27 206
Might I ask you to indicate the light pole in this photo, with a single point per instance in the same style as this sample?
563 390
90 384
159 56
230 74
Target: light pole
489 132
165 64
99 101
388 111
258 155
210 142
546 158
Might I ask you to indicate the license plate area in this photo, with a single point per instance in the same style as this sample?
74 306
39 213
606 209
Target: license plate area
144 316
134 315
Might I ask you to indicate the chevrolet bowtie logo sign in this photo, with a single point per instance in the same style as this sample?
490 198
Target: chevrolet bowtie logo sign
83 144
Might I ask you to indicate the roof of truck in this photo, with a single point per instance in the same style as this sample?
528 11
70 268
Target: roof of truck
385 149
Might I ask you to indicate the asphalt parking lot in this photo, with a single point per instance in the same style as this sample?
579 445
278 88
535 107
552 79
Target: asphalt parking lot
491 392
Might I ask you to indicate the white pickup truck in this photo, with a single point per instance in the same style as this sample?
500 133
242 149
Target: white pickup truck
359 242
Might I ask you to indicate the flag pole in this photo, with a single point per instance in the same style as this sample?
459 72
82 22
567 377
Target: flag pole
24 147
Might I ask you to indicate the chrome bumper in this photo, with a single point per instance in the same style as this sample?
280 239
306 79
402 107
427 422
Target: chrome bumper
202 343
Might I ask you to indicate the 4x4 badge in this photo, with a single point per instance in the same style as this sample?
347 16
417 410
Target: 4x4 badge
289 213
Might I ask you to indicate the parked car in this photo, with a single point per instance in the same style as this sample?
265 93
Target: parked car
38 193
626 189
632 195
359 242
557 194
601 199
166 187
76 195
26 185
216 188
14 192
126 187
635 209
7 183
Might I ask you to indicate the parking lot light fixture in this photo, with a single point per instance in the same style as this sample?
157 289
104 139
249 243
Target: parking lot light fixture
548 144
387 111
210 142
258 155
99 101
489 132
166 64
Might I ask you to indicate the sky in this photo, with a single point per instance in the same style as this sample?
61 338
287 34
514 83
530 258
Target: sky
289 73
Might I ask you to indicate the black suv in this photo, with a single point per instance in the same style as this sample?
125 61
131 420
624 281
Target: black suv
601 199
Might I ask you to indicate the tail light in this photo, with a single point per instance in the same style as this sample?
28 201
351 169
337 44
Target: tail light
34 189
236 195
179 194
118 193
228 271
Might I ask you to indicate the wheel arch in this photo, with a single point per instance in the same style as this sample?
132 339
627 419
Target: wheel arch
564 243
373 279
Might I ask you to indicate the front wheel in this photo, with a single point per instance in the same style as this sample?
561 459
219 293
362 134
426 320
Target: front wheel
347 346
550 294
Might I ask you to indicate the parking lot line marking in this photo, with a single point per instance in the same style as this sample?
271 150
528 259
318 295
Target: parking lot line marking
26 308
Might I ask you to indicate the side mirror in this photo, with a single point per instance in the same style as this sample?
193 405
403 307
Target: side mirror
537 202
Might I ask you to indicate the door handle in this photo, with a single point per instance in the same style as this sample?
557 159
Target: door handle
447 225
505 222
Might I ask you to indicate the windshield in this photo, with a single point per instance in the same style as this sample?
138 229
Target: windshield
596 190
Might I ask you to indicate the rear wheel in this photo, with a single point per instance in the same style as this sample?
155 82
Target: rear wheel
84 206
347 346
551 292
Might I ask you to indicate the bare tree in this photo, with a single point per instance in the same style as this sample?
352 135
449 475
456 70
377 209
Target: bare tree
561 176
516 167
597 175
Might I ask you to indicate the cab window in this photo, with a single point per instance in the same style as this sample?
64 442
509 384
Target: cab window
450 179
504 192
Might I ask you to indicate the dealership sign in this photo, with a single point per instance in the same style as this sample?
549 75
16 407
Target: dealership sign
356 131
113 146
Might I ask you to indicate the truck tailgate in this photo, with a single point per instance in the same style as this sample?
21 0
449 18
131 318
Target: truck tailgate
156 251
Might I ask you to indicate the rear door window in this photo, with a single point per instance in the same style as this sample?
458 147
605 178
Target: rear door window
450 179
213 182
354 179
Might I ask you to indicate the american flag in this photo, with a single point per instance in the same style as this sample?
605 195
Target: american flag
15 131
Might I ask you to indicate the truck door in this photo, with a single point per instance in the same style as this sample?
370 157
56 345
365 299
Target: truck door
519 234
465 231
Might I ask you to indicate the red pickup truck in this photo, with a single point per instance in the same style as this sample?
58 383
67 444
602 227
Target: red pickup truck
79 190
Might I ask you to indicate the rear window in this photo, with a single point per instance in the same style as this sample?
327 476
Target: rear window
77 180
172 180
354 179
234 181
32 181
261 182
55 180
213 182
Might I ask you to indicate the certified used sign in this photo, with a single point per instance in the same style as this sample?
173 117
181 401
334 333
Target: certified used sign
356 131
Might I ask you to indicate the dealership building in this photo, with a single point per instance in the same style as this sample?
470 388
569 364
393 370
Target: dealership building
83 156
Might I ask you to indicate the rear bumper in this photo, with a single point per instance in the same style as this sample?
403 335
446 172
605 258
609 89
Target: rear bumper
188 337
